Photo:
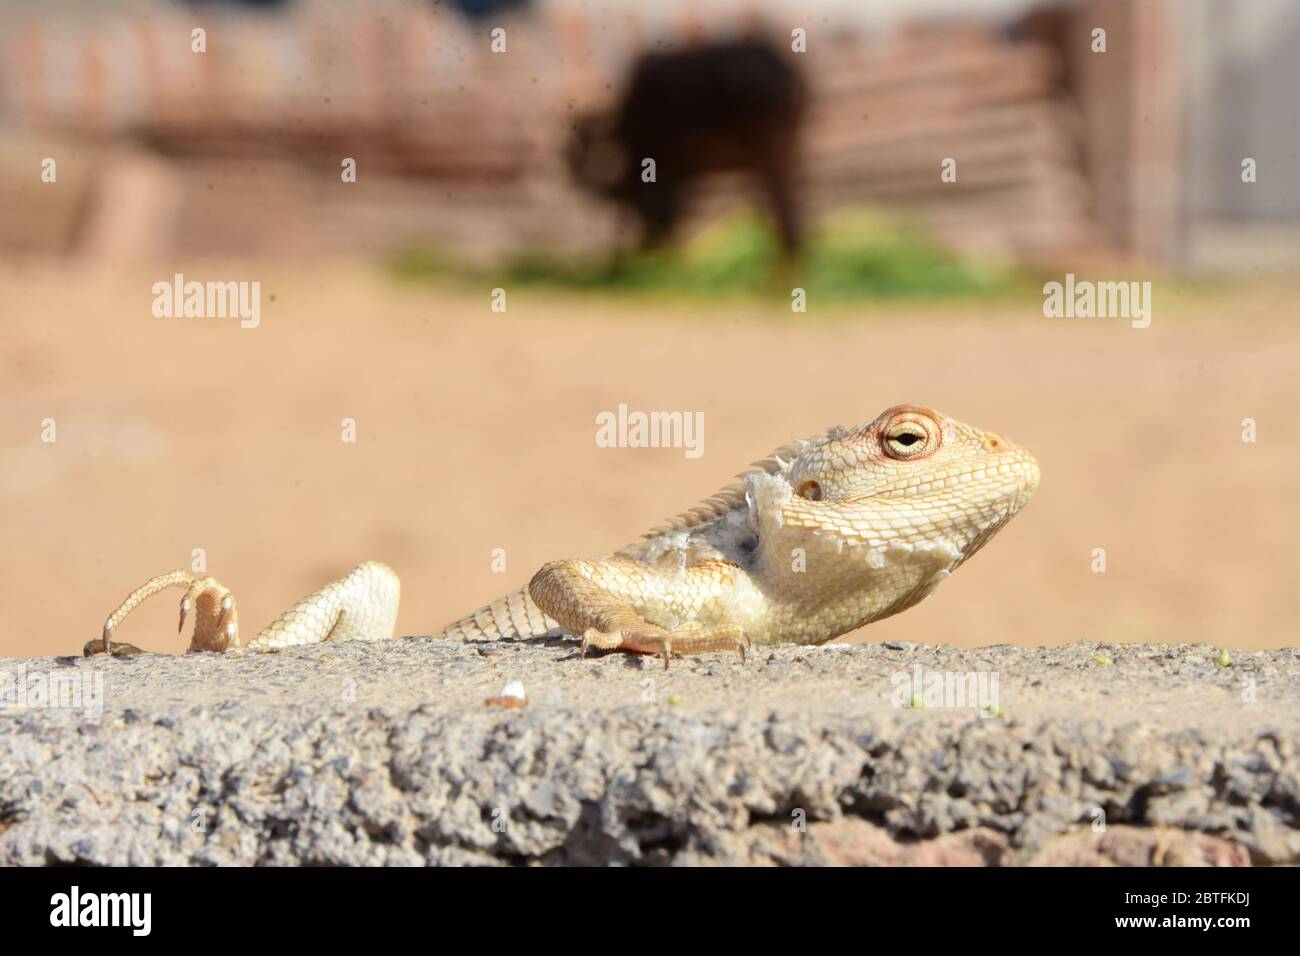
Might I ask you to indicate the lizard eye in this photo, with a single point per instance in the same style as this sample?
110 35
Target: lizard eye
906 439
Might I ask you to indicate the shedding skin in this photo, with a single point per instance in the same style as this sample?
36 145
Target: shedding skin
822 536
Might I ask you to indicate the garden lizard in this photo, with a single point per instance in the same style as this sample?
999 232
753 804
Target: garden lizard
822 536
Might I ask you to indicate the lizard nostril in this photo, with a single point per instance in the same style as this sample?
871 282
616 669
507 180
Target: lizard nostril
992 443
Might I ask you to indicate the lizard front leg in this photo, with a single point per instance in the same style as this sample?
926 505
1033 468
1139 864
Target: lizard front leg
607 603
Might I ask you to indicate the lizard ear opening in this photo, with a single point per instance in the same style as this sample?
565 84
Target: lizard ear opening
809 489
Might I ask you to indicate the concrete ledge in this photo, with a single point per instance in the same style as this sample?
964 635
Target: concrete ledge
387 753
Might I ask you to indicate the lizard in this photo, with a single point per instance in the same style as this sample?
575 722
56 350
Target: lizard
820 537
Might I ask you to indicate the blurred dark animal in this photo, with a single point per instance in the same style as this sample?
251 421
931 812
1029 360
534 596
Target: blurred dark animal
486 8
1062 29
719 107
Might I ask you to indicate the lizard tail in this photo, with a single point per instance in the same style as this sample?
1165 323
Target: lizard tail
515 615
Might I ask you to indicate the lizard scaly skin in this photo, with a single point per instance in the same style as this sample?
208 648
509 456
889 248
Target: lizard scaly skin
825 535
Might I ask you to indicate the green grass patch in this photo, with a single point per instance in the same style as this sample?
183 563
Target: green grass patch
851 255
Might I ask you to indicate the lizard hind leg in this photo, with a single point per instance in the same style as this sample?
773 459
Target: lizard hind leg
215 626
359 607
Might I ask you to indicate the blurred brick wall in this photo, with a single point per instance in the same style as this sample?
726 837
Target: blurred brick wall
458 145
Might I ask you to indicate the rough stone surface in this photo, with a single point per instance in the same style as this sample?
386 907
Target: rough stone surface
387 754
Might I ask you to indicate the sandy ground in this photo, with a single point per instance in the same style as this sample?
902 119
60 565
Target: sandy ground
476 432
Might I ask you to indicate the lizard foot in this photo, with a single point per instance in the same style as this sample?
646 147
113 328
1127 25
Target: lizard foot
689 639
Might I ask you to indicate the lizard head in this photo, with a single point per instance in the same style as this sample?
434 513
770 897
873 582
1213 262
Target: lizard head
916 476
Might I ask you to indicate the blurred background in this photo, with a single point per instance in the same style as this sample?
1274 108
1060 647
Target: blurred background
497 145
